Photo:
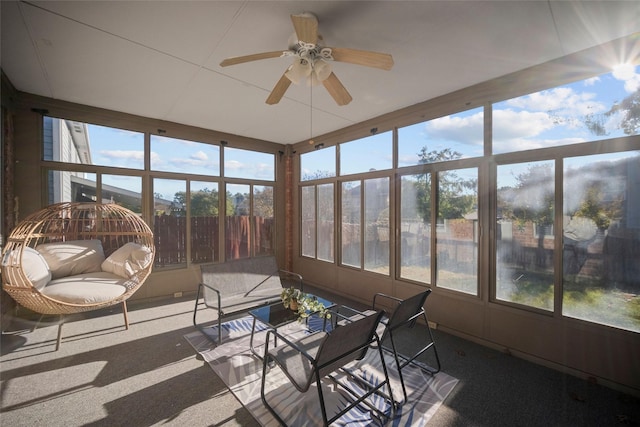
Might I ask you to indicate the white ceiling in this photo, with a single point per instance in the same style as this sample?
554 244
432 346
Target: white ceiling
160 59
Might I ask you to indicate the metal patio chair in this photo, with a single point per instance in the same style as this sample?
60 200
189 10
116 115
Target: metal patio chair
404 314
319 355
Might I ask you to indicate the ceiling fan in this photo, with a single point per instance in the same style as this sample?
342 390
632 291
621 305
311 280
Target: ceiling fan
312 61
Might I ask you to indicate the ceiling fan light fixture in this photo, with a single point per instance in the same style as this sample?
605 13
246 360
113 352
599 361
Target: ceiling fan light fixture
321 69
312 61
299 71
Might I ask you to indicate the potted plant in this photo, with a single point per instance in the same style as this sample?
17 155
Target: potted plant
304 304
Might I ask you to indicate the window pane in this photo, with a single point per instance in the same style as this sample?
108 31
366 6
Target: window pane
179 155
264 221
237 222
457 230
68 186
524 234
587 110
367 154
318 164
376 219
170 226
76 142
248 164
308 226
415 227
326 221
601 239
351 223
451 137
205 221
124 190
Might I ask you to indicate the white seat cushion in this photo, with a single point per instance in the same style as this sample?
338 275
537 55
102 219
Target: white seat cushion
88 288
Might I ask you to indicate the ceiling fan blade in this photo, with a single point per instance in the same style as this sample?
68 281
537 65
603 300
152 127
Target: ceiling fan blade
337 90
249 58
362 57
278 90
306 26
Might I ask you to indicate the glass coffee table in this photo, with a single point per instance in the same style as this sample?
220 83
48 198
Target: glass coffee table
275 315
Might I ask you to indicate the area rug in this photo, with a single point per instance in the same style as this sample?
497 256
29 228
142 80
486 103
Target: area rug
241 371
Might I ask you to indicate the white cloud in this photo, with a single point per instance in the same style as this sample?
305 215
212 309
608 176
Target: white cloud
200 155
561 101
522 130
122 154
509 124
627 73
196 160
408 159
624 71
466 130
633 84
233 165
592 81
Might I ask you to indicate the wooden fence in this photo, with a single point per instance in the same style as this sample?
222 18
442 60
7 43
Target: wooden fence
170 234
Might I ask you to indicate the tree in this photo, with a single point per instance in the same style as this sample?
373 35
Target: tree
203 202
263 202
237 204
452 200
629 108
597 209
531 201
317 175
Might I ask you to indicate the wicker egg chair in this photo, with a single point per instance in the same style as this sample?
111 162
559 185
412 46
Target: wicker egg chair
112 225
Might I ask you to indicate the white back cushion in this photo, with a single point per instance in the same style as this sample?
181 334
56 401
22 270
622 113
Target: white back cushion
33 265
72 257
128 260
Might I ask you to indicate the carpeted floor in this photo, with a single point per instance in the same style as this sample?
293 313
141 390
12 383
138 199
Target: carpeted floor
149 375
241 371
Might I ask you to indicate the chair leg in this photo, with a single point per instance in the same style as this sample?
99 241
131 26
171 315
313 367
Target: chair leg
399 366
195 309
263 396
433 344
59 340
126 314
323 409
411 360
195 314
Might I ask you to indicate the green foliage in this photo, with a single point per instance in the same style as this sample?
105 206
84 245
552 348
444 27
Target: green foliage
602 305
634 309
317 175
628 108
263 200
534 196
534 289
305 304
595 207
452 200
203 202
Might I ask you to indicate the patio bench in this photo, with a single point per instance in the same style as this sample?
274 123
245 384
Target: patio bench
238 286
